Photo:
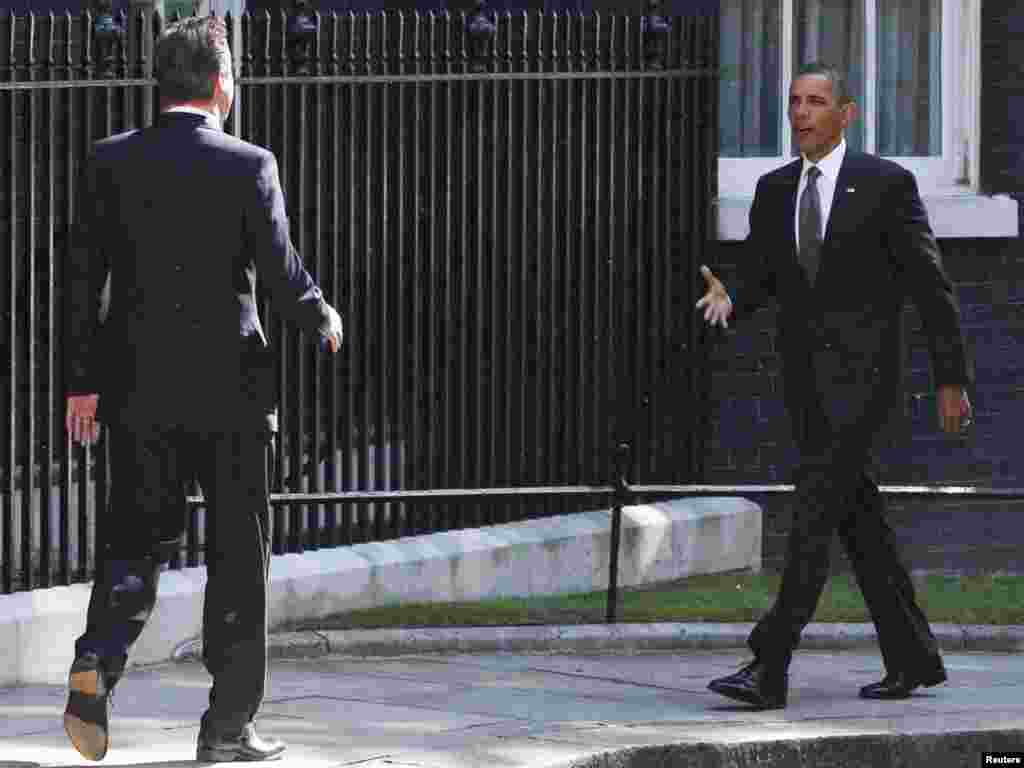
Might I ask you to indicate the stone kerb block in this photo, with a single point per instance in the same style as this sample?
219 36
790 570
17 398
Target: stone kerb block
570 553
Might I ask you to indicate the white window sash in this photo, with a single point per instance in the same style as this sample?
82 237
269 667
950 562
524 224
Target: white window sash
956 169
870 106
947 172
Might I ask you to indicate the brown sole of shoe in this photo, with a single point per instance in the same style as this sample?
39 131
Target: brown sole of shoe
89 739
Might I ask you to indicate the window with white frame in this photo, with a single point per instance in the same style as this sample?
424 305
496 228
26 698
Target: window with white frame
910 67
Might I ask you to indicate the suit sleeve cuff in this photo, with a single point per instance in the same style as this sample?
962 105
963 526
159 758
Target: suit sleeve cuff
323 318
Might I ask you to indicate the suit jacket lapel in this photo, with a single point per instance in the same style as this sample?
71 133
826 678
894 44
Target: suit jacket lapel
789 209
843 197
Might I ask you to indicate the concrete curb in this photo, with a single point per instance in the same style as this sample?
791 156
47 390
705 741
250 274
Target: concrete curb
601 638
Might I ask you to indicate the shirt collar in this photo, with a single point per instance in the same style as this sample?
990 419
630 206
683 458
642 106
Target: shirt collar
830 164
189 114
191 111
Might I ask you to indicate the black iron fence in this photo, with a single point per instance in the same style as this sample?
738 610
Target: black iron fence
513 235
507 211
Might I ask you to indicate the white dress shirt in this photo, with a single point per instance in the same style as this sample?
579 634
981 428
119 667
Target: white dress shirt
829 166
192 111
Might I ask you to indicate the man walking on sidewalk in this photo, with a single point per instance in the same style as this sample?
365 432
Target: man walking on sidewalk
840 239
166 349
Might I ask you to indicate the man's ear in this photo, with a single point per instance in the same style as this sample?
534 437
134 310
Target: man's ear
220 94
849 113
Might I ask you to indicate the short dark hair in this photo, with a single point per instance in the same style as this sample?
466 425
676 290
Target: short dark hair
840 89
187 55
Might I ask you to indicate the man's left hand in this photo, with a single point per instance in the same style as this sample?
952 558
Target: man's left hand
80 419
955 413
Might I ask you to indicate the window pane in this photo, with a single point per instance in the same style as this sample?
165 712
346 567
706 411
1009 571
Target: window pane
832 31
910 78
750 100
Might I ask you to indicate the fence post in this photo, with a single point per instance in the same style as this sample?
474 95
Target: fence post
623 461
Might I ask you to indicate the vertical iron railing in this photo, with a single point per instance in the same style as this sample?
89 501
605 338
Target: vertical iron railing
510 228
59 91
506 209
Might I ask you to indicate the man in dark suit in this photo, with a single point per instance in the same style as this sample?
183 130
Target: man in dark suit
166 349
840 239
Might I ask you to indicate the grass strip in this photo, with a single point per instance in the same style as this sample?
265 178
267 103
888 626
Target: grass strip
735 597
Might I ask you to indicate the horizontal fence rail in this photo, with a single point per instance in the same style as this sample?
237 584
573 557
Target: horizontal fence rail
917 491
634 491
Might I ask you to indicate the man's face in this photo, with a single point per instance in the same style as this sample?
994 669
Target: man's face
818 121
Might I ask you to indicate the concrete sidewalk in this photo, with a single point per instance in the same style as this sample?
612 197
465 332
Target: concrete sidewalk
617 708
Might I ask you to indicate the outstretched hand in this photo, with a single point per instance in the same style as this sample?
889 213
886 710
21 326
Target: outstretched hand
332 340
716 303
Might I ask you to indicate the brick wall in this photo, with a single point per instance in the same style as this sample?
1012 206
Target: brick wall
752 443
1002 103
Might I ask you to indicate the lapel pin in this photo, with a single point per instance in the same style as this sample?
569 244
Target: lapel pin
851 189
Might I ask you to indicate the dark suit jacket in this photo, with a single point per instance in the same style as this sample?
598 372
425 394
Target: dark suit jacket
843 339
181 218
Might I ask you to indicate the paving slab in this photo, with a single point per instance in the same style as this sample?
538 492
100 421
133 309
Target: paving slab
550 710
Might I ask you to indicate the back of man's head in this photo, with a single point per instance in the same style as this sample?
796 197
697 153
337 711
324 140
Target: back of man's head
188 55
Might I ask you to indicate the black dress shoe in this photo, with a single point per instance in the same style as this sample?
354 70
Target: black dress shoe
87 715
245 747
900 685
763 685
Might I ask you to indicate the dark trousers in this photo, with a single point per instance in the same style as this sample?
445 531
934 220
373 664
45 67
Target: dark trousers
835 493
152 471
